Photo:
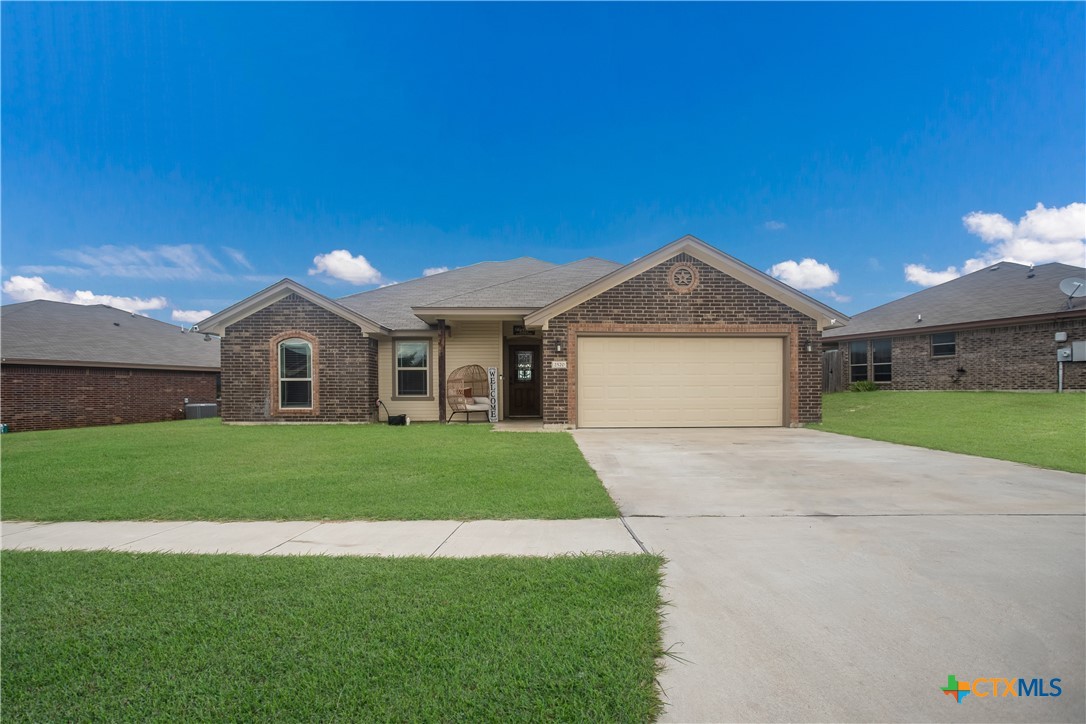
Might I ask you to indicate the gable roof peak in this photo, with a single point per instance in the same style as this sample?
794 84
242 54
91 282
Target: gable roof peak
707 254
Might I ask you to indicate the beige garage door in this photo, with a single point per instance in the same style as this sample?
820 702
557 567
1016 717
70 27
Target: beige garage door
680 381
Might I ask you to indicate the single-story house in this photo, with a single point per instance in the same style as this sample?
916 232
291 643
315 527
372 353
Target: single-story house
685 336
998 328
69 365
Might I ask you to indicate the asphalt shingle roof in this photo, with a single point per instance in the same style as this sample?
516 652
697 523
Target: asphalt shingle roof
1001 291
534 290
523 282
97 334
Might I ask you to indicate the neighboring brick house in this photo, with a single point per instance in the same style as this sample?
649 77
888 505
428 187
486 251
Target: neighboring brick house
686 336
994 329
70 365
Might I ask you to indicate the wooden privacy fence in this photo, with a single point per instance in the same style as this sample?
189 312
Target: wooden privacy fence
833 371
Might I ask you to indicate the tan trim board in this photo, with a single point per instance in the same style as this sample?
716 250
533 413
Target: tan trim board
430 315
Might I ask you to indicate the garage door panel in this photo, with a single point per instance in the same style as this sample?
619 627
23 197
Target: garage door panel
680 381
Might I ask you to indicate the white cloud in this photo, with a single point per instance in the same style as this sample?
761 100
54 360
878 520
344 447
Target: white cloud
181 261
920 274
238 256
838 297
1041 236
775 225
25 289
806 274
431 270
192 316
339 264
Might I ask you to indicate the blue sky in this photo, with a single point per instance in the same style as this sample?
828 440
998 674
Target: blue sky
178 157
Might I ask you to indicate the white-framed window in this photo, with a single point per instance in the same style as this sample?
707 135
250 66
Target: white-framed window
412 368
295 374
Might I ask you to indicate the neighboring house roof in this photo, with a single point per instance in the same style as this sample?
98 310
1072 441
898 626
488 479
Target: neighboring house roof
996 293
217 323
712 256
56 333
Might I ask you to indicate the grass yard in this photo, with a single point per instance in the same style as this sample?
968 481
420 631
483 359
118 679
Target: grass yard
116 636
1046 430
201 469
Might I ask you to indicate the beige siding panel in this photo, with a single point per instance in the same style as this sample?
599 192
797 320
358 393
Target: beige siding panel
478 343
421 410
680 381
475 343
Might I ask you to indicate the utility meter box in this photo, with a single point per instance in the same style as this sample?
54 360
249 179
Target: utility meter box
1078 351
1063 354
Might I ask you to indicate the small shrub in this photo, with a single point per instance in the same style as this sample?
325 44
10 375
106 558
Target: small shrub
863 386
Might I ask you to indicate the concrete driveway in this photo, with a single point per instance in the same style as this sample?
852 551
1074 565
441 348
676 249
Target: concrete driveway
818 577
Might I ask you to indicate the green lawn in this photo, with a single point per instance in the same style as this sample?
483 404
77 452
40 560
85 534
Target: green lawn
201 469
116 636
1043 429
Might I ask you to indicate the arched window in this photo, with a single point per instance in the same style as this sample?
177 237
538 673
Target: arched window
295 374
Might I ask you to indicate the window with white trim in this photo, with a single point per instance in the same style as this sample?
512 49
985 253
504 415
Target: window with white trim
412 368
295 374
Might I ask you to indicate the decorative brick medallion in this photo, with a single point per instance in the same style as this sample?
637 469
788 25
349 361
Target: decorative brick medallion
683 278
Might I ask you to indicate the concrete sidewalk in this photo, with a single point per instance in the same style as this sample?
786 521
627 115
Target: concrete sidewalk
429 538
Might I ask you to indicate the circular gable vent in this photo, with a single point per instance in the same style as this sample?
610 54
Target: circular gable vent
683 278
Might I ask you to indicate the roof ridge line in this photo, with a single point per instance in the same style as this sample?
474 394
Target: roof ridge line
447 271
510 281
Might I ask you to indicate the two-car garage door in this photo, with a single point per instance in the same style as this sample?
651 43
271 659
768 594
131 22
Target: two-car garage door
680 381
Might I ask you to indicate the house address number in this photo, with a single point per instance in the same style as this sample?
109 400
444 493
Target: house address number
558 364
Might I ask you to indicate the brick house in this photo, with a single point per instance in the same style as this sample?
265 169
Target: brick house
994 329
70 365
685 336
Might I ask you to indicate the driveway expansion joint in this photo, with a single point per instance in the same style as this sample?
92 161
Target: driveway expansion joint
632 534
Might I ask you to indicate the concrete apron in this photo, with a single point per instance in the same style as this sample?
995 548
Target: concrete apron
817 577
428 538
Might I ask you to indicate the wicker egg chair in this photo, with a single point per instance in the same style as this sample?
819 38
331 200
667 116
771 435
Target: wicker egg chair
468 391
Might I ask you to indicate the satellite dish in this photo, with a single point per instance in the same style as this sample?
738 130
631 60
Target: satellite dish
1073 287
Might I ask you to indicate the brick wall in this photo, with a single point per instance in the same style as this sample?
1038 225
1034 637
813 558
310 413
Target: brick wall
720 304
36 397
1021 357
345 369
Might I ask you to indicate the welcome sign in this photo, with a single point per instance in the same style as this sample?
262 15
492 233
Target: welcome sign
492 378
